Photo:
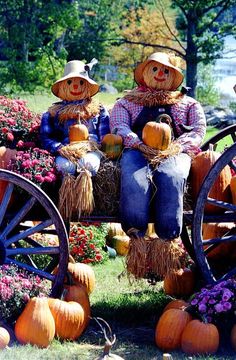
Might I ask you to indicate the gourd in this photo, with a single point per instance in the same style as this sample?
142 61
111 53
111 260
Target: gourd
4 338
78 132
113 229
35 325
169 329
69 318
200 338
217 230
220 190
112 145
121 244
176 304
233 337
82 274
179 283
157 135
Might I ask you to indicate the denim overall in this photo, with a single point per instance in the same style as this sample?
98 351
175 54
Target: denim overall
153 195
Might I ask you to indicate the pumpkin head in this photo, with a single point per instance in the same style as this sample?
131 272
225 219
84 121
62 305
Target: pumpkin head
158 76
73 89
157 135
78 132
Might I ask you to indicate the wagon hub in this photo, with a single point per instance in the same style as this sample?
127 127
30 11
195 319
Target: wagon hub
2 253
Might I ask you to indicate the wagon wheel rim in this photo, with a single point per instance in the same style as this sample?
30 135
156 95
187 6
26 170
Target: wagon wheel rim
199 217
10 237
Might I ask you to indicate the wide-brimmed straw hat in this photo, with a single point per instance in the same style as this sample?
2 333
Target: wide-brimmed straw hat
77 68
165 59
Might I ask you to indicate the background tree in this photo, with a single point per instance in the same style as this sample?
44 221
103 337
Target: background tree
31 33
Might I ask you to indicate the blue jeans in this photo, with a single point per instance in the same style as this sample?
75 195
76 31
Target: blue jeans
149 195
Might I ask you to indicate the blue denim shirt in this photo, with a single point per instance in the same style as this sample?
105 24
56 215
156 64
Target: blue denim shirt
55 134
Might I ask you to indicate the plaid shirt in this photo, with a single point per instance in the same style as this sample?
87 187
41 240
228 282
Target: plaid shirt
55 134
186 112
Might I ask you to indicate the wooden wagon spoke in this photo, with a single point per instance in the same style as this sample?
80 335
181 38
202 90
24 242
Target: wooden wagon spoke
221 204
52 265
28 232
31 269
5 200
18 217
233 165
30 251
219 240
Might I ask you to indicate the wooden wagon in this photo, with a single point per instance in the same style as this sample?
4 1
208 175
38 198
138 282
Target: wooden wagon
35 204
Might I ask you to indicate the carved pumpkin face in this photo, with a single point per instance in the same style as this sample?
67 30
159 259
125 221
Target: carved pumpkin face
73 89
158 76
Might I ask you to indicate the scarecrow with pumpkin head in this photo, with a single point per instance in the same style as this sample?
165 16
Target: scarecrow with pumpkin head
152 191
72 130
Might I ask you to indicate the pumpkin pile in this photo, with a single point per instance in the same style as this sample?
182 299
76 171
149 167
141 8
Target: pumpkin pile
65 318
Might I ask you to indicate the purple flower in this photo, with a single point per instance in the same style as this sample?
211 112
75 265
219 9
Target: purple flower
219 308
202 308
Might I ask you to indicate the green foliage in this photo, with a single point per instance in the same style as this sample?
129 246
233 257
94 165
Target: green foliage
207 93
232 106
124 83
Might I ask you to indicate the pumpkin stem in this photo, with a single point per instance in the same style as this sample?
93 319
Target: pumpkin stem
115 131
211 147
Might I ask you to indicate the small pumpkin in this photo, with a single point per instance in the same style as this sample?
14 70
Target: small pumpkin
121 244
112 145
113 229
176 304
78 132
169 329
220 190
225 250
157 135
82 274
35 325
200 338
179 283
69 318
4 338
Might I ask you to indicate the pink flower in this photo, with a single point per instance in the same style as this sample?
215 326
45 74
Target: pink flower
10 136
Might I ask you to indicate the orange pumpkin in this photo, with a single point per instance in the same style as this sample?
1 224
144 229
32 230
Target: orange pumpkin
82 274
79 294
69 318
4 338
199 338
225 250
220 190
112 145
78 132
169 329
179 283
233 337
176 304
35 325
157 135
233 189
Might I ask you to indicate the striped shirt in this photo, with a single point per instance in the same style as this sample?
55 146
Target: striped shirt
186 112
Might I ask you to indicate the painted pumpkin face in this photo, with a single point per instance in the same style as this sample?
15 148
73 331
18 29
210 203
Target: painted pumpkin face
73 89
158 76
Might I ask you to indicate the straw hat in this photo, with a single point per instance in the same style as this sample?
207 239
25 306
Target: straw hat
168 60
77 68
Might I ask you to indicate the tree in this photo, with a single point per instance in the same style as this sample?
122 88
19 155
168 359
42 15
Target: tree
30 32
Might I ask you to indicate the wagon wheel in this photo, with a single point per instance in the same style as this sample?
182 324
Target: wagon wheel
214 271
22 245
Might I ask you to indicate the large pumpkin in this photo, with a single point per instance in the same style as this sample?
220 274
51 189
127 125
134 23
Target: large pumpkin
82 274
112 145
169 329
233 337
179 283
176 304
220 190
199 338
157 135
35 325
233 189
69 318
